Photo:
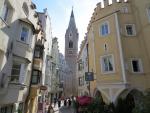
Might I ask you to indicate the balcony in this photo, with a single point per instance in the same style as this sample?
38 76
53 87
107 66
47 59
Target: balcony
40 42
34 91
37 63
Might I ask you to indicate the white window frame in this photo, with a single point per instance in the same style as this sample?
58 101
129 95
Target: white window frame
134 30
140 65
148 13
15 63
102 64
27 40
100 29
4 10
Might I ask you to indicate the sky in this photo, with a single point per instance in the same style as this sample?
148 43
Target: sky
60 11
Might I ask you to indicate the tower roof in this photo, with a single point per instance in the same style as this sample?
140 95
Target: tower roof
72 23
72 14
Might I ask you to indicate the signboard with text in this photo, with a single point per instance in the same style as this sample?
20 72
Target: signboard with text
89 76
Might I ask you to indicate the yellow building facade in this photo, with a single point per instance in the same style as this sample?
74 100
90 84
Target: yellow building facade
119 53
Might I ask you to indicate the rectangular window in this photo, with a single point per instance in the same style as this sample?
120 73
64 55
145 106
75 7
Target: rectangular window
6 109
15 72
81 81
104 29
148 13
107 64
130 29
5 11
80 65
38 52
35 77
136 66
24 34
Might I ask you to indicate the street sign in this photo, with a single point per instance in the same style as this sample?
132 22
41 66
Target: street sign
89 76
43 87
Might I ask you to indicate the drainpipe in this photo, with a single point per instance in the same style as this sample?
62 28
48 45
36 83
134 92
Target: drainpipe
120 49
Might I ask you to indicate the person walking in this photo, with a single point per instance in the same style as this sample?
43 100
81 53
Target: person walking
59 102
69 102
55 100
65 102
50 109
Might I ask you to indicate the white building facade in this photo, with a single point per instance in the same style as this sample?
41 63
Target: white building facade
17 40
82 84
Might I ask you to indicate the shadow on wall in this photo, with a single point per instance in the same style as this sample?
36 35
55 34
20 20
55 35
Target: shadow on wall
8 33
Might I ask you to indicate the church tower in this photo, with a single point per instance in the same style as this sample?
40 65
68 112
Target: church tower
71 51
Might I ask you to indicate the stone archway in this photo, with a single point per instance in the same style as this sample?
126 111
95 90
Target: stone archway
101 94
98 96
127 99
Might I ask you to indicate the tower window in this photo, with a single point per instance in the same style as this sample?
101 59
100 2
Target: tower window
70 44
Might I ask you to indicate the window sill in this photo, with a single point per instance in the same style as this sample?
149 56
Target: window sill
109 72
22 42
104 35
138 73
17 84
130 35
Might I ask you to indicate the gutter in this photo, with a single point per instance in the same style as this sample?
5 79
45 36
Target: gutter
120 48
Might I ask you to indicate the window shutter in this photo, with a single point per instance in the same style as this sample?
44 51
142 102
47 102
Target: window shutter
22 74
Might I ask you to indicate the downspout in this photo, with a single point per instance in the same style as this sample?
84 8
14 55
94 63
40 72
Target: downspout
120 49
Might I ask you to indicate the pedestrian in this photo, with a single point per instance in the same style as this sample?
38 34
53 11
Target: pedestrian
59 102
69 102
65 102
55 100
50 109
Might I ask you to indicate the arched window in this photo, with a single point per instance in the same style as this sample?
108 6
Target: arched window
25 8
70 44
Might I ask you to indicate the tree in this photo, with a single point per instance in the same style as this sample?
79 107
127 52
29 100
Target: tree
144 105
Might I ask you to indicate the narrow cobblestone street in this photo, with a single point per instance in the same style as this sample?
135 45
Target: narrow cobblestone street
64 110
